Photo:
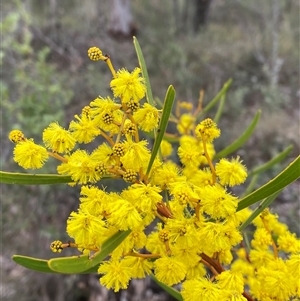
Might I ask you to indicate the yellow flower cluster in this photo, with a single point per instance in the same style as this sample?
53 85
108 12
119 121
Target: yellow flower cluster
198 235
269 276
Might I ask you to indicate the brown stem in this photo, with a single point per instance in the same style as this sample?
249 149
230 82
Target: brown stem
213 263
214 271
247 296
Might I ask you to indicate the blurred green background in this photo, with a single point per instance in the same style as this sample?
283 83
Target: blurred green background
198 44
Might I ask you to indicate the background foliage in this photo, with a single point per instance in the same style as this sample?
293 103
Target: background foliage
46 76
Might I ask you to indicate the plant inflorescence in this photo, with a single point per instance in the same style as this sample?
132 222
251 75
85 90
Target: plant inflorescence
181 221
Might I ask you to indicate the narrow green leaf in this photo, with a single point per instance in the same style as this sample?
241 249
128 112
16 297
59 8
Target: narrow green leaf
264 204
286 177
168 104
220 108
170 290
215 99
70 265
143 66
35 264
160 104
32 179
241 140
272 162
79 264
41 265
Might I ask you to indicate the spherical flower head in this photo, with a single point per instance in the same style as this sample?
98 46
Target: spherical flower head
232 172
58 139
201 289
262 239
231 281
84 130
124 215
140 267
167 174
136 155
85 228
128 86
93 200
16 136
289 243
170 270
147 117
183 194
30 155
106 114
216 202
186 254
182 231
217 237
103 153
260 257
275 279
190 155
81 167
116 274
207 130
102 105
198 177
95 54
144 197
